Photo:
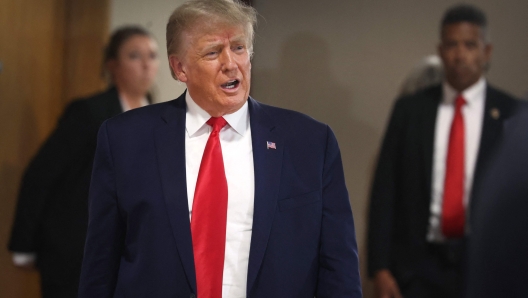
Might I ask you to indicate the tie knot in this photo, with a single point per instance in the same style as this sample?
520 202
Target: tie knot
460 101
217 123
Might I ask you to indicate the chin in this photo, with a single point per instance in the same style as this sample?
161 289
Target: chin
232 105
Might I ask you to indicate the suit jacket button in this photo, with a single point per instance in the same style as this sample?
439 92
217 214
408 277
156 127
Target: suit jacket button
192 296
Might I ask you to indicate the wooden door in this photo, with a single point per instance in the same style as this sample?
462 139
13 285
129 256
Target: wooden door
50 52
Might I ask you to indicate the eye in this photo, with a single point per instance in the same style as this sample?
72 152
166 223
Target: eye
211 54
450 44
239 48
153 55
471 45
133 55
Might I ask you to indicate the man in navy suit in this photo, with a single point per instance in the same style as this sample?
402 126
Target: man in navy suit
272 179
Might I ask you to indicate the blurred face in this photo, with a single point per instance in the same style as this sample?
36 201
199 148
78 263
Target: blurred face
136 65
215 65
464 53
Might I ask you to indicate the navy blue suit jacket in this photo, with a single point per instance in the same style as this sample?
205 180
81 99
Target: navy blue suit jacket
139 238
498 245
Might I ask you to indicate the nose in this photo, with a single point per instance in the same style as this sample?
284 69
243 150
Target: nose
461 53
147 62
228 61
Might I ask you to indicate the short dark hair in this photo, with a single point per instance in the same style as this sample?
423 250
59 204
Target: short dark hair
465 13
119 37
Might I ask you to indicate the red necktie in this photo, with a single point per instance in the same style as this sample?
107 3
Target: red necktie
209 216
453 211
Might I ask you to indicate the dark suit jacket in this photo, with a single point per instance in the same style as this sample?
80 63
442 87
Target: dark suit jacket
51 216
498 246
139 239
401 191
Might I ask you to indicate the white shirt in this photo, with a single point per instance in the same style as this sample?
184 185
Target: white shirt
237 153
126 107
473 113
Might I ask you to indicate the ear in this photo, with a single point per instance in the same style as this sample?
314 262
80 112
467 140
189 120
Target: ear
177 68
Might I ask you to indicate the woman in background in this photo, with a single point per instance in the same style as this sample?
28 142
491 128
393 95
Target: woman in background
51 219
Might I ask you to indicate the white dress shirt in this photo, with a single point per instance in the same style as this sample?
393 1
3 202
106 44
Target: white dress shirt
125 107
473 113
237 153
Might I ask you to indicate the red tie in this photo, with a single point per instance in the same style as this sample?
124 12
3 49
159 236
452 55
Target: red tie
453 211
209 216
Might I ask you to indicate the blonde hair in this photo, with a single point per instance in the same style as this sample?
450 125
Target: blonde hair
216 12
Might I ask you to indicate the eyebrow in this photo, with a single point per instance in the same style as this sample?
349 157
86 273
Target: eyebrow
239 38
235 39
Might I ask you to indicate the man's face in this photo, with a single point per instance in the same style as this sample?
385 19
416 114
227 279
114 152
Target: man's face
464 53
215 64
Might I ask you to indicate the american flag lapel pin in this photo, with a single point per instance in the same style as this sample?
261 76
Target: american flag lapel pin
270 145
495 113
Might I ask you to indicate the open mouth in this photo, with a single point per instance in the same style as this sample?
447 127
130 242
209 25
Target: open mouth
231 84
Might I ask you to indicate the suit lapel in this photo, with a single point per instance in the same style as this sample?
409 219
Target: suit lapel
170 149
495 111
428 134
267 164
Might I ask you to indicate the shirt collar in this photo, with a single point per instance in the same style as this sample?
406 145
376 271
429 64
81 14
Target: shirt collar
471 94
196 117
125 107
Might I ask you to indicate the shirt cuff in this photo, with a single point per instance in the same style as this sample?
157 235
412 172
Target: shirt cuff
22 259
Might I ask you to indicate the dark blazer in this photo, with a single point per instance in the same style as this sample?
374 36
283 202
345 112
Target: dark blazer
498 246
139 239
51 216
401 190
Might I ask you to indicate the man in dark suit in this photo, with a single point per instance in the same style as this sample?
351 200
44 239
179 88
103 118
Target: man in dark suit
51 219
497 258
215 194
435 147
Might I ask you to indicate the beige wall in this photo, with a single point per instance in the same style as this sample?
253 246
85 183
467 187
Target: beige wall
342 61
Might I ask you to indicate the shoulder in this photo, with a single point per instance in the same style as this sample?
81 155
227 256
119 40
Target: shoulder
95 103
500 94
287 116
146 117
303 138
419 106
424 97
287 120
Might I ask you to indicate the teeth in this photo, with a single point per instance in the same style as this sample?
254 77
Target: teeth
230 84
